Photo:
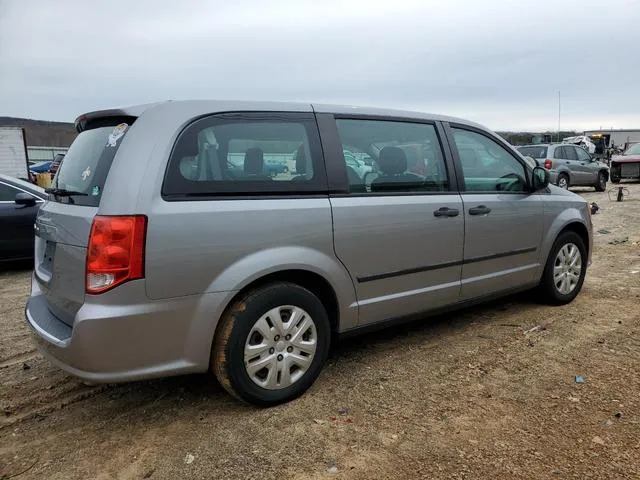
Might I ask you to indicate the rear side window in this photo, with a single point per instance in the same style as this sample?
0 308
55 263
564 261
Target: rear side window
247 154
534 152
84 168
384 156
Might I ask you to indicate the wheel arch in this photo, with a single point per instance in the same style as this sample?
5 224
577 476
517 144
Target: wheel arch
571 220
605 171
581 230
312 281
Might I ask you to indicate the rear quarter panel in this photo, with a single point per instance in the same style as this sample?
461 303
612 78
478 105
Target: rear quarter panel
217 245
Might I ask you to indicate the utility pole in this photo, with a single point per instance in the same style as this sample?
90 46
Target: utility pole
559 111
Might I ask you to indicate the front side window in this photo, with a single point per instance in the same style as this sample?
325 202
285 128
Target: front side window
389 156
583 156
239 155
486 165
633 149
570 153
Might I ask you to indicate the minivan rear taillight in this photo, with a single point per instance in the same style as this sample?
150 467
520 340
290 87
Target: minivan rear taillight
115 253
548 164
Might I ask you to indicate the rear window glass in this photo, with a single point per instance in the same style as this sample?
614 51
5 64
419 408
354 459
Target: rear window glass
534 152
84 168
246 154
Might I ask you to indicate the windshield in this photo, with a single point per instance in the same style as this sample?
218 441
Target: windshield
633 149
534 152
85 167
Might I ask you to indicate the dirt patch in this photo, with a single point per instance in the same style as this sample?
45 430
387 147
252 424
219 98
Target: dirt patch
479 393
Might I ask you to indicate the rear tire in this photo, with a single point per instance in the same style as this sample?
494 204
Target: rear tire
563 181
261 329
561 281
601 184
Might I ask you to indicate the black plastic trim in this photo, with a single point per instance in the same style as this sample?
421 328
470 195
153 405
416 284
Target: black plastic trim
426 268
179 197
407 271
337 179
520 251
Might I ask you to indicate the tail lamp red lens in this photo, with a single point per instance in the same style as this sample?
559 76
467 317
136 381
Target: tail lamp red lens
548 164
116 251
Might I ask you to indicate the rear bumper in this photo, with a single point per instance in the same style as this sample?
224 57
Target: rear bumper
114 339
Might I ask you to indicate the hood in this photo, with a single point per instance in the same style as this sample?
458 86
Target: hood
625 158
555 190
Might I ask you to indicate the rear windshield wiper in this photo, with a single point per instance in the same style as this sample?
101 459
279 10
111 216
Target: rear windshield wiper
63 192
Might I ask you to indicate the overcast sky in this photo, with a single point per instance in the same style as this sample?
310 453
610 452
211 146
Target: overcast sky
498 62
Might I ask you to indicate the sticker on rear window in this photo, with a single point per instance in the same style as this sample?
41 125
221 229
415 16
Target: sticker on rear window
116 134
95 191
86 173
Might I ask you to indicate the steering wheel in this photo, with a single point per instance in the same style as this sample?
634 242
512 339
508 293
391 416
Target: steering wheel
512 186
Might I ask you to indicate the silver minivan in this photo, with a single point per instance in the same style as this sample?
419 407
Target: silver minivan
194 236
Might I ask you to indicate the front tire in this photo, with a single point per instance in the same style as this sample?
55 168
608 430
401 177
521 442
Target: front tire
601 184
565 270
271 344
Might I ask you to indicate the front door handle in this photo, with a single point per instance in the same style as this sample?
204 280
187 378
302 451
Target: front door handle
446 212
479 210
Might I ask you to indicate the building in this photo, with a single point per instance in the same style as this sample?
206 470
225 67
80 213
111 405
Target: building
44 154
613 138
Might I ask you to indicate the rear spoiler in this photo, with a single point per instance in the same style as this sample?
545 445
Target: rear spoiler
85 120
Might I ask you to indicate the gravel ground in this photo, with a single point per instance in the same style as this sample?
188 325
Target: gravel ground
479 393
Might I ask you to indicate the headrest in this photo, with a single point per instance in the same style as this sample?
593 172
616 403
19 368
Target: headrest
254 161
392 161
301 160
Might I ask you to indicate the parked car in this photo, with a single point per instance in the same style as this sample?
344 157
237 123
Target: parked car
569 165
359 166
144 269
275 168
40 167
19 204
582 141
626 165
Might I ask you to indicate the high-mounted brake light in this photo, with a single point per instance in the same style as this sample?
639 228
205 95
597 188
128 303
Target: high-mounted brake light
115 253
548 164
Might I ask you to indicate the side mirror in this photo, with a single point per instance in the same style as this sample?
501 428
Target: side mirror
25 199
540 179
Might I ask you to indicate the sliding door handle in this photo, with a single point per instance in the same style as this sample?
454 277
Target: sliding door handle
446 212
479 210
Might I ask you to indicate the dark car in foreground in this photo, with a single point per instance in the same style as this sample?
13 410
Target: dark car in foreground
626 165
19 204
